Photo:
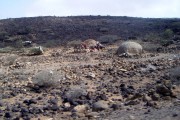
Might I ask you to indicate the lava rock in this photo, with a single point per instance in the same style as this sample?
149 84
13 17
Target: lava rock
31 101
8 115
163 90
132 102
115 106
155 97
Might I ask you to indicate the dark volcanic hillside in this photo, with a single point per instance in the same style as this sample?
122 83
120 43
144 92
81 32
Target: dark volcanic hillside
61 29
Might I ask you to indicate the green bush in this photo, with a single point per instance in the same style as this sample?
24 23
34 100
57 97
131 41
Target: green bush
152 37
175 27
168 33
4 35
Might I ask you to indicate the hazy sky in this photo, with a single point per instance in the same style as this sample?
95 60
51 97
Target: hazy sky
135 8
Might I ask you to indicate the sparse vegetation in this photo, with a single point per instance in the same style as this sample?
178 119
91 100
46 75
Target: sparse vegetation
9 60
60 29
168 34
74 43
36 51
62 84
47 78
152 37
6 50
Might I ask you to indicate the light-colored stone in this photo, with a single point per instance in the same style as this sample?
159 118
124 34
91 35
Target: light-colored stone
100 105
80 108
67 105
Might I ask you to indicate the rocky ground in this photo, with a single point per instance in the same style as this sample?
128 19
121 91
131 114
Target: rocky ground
97 85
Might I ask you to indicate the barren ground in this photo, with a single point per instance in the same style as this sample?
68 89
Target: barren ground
130 88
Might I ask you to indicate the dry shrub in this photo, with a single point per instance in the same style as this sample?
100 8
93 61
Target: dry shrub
47 78
150 47
36 51
74 43
9 60
6 50
108 39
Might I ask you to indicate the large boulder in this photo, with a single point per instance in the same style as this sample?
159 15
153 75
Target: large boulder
130 49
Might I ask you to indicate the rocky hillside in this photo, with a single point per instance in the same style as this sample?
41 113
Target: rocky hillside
61 29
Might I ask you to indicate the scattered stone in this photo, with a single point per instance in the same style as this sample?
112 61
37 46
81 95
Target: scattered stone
131 117
132 102
78 114
151 67
163 90
115 106
55 107
175 115
155 97
8 115
146 98
80 108
67 105
31 101
100 105
91 115
152 104
91 75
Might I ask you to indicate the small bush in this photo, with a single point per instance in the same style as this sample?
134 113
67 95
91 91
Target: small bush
47 78
152 37
4 35
51 43
168 33
74 43
175 26
9 60
18 44
150 47
6 50
36 51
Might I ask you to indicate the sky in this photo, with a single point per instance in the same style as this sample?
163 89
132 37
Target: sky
133 8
